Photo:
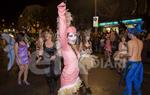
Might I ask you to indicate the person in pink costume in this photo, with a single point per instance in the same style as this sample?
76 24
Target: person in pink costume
108 48
70 81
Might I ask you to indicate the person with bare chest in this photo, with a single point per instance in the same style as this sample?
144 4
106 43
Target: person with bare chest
134 69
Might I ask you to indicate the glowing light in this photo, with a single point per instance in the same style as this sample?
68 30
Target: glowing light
132 21
13 30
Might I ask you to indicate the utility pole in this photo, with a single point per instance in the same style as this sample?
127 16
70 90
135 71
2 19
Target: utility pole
95 8
95 4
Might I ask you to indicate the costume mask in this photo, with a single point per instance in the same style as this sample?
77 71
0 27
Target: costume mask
72 37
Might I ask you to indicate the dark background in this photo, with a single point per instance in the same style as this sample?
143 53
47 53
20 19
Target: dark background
11 9
83 10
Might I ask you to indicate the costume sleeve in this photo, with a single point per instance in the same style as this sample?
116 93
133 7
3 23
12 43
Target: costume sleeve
62 26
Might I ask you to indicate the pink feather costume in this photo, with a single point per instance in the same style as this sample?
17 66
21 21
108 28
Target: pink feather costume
70 81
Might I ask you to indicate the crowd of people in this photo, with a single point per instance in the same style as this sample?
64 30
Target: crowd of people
75 50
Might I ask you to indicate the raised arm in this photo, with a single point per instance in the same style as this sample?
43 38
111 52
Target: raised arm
62 25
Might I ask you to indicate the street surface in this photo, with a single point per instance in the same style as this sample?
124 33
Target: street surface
102 82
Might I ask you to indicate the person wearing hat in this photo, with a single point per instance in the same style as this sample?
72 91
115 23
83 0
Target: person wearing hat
134 68
70 81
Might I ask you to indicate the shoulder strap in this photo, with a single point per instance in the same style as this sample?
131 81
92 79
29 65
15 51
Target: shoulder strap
75 52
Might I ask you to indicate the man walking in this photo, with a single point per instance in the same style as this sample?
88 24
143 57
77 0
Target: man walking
134 68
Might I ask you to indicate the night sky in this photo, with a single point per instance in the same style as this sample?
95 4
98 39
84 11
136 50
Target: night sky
10 9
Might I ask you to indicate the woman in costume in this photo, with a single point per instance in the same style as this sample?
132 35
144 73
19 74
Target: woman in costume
123 51
119 56
9 38
39 47
70 81
108 48
50 49
22 58
87 61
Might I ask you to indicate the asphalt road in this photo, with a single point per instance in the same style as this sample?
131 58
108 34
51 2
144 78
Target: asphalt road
102 82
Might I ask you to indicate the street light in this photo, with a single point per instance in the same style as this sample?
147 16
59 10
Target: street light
21 16
3 23
3 20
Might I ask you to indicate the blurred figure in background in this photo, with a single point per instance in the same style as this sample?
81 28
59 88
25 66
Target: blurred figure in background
108 48
119 56
95 38
9 48
87 61
39 46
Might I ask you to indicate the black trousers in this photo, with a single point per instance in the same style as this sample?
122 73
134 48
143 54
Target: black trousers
52 80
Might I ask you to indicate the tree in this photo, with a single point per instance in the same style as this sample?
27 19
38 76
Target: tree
30 16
